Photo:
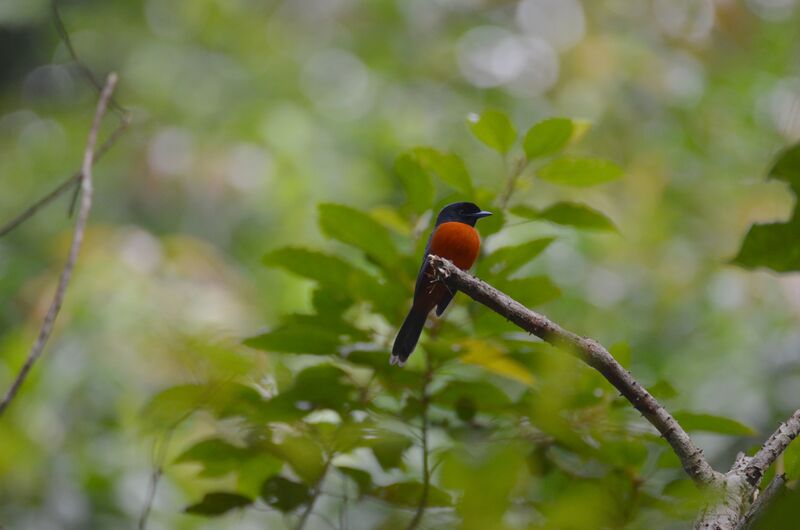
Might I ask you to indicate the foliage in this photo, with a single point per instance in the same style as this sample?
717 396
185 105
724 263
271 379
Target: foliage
765 245
318 138
492 399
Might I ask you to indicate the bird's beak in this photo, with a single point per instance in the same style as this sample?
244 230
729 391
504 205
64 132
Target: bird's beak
481 214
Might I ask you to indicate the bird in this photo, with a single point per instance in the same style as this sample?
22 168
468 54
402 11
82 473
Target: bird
454 238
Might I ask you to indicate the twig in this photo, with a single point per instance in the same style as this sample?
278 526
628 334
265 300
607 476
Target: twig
775 445
85 70
66 185
315 495
593 354
426 473
511 183
762 502
159 457
74 180
77 239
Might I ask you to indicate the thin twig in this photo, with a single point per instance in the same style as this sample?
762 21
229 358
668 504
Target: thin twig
77 239
314 496
594 355
159 457
775 445
66 185
511 183
85 70
426 474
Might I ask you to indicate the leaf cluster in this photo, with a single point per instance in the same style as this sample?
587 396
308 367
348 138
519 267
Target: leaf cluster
519 429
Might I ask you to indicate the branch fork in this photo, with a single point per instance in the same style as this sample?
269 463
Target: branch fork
84 177
734 489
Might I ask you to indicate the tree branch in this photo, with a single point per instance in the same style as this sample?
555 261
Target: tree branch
591 353
77 239
775 445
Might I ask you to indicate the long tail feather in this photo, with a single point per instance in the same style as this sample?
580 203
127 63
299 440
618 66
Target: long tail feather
408 336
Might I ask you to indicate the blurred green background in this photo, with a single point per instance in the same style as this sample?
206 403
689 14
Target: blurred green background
248 113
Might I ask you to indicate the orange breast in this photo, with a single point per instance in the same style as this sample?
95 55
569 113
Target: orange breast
457 242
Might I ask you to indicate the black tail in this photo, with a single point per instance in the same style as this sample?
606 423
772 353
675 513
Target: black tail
408 336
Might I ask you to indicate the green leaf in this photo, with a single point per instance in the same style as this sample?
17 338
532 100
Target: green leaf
622 353
317 387
482 395
568 214
507 260
492 224
416 180
218 503
358 229
323 386
775 246
580 172
492 357
331 323
493 128
329 303
296 339
622 453
326 269
224 399
388 449
217 456
663 389
787 168
302 454
547 137
362 479
169 406
408 494
791 460
448 167
284 494
340 277
530 292
692 421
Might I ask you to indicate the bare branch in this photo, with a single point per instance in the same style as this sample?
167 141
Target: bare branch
85 70
775 445
77 239
591 353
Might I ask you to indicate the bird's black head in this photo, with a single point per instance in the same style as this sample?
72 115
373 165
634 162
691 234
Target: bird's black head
461 212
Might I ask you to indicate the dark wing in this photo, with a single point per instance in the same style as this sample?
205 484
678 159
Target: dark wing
421 279
421 273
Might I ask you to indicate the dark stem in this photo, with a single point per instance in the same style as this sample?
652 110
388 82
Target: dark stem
426 474
159 457
314 496
511 183
73 181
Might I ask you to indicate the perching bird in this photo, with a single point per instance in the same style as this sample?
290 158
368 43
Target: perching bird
455 238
